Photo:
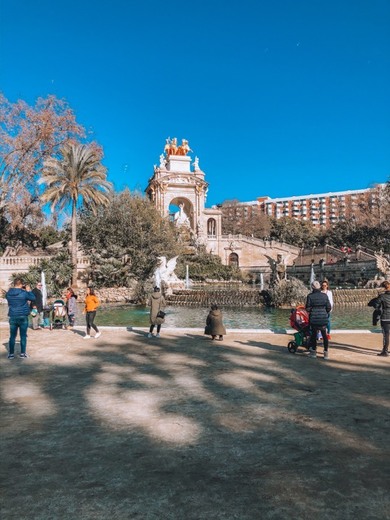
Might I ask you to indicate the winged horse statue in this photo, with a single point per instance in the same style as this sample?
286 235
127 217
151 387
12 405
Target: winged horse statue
165 271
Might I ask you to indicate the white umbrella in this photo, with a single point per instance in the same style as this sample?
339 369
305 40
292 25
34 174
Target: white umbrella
44 290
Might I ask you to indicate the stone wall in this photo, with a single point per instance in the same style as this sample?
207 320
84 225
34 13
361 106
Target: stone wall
354 273
242 297
354 297
112 294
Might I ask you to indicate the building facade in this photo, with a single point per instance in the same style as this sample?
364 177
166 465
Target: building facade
322 210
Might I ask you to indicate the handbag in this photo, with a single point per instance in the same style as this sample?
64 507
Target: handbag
161 314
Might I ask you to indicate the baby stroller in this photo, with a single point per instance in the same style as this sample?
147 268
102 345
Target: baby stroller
299 320
58 315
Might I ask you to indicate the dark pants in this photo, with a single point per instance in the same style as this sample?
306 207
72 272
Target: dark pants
90 316
386 335
15 323
313 336
158 328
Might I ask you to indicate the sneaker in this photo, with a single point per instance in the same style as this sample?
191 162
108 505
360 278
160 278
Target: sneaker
23 355
326 354
383 353
313 354
150 335
98 334
157 335
87 336
11 356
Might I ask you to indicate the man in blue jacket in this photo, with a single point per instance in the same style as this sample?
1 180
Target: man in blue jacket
18 311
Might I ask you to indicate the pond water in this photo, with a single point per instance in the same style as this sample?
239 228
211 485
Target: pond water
234 318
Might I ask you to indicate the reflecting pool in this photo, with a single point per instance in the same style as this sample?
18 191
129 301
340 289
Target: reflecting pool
234 317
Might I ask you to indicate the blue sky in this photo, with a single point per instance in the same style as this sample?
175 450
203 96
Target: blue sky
276 97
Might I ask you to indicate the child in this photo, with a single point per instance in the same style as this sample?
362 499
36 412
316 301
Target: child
46 316
214 326
71 306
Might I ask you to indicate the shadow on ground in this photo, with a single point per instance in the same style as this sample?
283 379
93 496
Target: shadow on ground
184 428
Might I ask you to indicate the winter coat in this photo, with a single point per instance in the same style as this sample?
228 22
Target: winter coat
382 304
18 302
156 303
318 306
91 303
214 325
38 299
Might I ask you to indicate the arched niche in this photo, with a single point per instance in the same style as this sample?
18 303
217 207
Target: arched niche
181 212
234 260
211 228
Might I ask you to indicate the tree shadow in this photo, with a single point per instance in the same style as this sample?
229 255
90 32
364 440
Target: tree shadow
176 428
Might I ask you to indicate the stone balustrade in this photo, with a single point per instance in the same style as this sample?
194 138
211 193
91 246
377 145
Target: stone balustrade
20 264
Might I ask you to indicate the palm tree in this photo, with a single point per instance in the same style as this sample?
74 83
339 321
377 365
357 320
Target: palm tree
76 178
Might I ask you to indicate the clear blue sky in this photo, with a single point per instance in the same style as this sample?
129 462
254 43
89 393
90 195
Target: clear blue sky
276 97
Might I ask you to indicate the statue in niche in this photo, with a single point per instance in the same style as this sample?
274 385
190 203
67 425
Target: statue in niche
181 218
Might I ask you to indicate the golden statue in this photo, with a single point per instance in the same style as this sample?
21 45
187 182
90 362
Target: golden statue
171 147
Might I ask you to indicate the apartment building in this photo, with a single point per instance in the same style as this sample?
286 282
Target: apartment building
323 210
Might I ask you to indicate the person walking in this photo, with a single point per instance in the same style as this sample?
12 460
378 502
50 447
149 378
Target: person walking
37 318
382 305
156 316
18 298
91 304
325 289
318 306
71 306
214 323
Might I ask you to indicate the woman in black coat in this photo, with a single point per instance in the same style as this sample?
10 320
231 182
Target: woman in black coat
318 306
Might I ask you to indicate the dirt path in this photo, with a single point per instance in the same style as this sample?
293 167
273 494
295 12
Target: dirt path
180 427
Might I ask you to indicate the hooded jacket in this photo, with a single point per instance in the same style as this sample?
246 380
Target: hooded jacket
156 303
318 306
18 302
214 325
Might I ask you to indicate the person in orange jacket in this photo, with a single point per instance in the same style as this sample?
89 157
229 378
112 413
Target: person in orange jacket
91 304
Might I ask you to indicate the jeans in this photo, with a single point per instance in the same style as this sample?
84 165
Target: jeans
15 323
90 316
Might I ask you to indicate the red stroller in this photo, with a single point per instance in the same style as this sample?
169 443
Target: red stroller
299 320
